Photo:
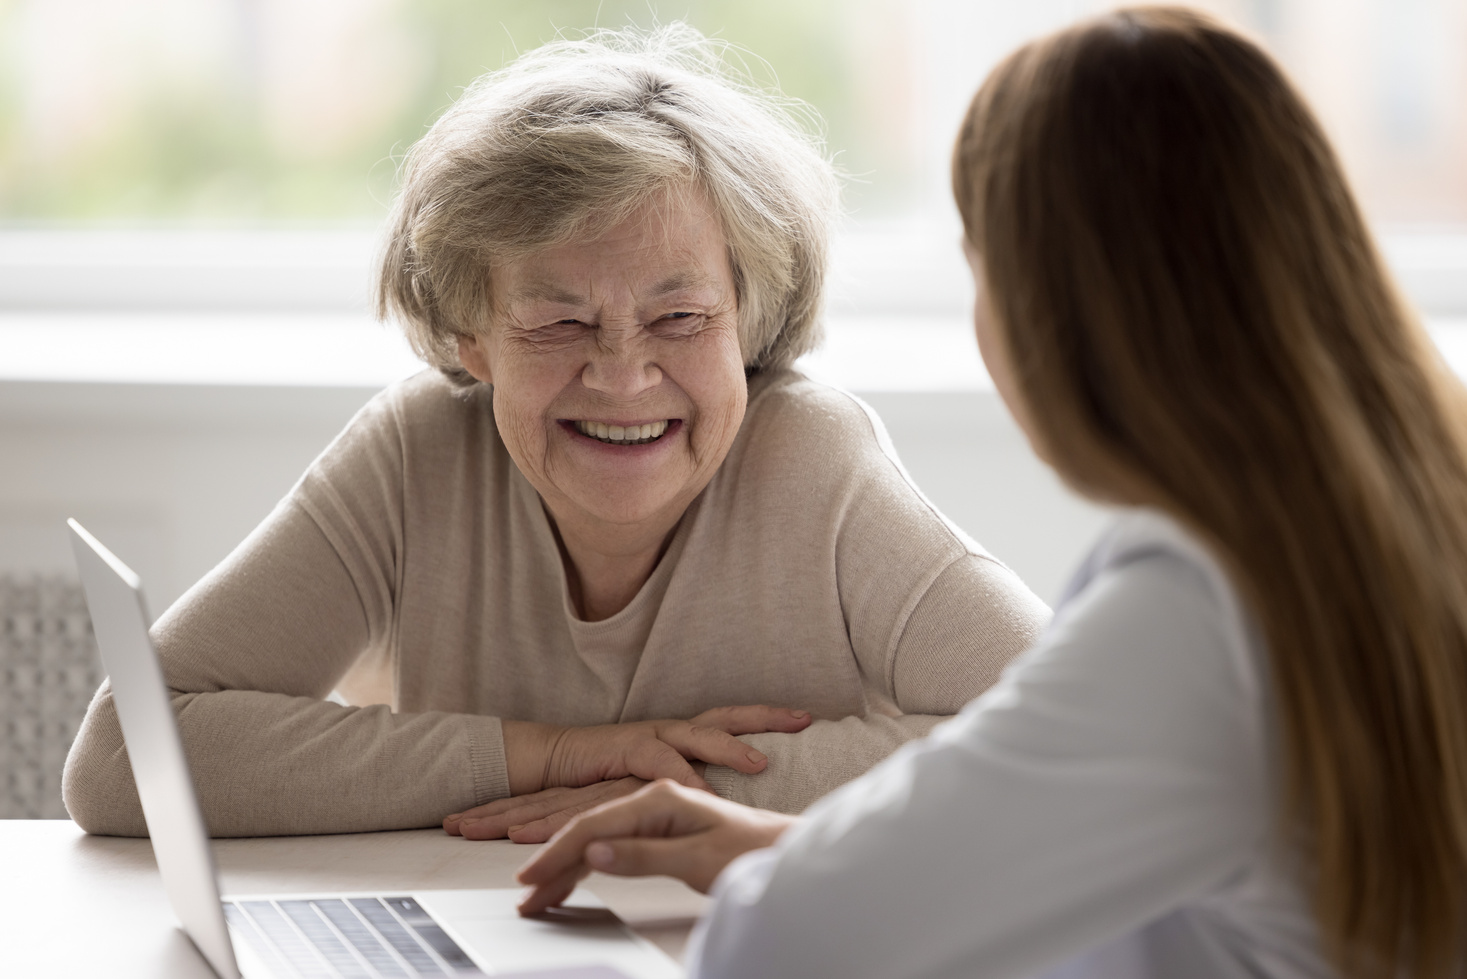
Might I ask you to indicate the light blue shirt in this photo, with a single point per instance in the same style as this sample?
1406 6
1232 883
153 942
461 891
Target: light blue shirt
1107 810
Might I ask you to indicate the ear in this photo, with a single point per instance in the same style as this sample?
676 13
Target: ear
472 355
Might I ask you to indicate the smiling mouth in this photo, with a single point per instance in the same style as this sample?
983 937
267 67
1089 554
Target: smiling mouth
622 434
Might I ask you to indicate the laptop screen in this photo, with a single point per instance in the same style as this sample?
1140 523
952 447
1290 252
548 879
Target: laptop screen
175 824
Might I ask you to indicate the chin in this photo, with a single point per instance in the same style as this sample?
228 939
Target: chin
621 513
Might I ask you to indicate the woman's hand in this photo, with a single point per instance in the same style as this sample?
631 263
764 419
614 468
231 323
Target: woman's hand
536 817
665 828
557 772
543 756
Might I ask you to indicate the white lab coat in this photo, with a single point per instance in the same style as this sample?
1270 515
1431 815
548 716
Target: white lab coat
1107 810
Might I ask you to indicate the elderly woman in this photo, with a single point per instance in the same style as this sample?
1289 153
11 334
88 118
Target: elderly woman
613 525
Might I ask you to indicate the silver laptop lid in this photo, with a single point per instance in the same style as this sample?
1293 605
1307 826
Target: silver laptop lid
180 840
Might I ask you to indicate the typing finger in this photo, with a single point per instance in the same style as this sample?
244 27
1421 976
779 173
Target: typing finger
653 811
552 893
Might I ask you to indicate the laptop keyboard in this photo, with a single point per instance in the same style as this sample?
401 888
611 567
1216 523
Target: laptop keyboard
366 937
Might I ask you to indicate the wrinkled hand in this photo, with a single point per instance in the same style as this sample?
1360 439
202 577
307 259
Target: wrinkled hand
543 756
664 828
556 773
536 817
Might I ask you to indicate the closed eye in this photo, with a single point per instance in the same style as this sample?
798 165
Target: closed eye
679 323
552 334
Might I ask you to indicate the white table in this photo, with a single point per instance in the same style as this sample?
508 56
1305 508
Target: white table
78 905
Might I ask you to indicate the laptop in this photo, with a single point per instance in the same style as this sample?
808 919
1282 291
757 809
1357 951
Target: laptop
395 935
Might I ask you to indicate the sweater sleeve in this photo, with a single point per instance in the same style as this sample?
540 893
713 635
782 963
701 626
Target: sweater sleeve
1118 771
251 652
967 625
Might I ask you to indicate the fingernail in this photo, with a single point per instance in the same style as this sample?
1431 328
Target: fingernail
453 818
801 714
515 829
755 756
600 855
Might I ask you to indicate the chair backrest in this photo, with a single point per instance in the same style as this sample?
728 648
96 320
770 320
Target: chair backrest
49 671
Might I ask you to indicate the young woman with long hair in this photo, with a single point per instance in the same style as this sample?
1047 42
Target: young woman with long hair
1241 749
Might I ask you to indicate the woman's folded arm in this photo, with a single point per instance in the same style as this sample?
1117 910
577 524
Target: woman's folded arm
271 765
251 652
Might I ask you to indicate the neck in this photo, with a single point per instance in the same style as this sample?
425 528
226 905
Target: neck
605 566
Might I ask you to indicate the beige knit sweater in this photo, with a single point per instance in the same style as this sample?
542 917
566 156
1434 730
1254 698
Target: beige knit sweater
413 569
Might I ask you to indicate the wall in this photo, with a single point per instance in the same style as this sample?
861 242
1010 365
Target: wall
171 477
972 461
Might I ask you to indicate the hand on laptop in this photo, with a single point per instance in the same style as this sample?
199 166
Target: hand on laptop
558 772
664 828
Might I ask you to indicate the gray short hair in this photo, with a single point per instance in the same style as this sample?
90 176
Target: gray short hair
574 136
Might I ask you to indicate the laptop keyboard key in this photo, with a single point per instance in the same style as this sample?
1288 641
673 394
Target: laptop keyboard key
319 934
395 934
287 941
363 938
446 948
240 922
429 931
411 911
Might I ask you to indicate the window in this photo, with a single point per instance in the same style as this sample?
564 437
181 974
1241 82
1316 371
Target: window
247 111
163 157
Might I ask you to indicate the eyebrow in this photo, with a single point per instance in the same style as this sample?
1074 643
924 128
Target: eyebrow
679 281
542 291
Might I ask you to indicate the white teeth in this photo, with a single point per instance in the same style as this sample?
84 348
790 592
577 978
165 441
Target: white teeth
622 434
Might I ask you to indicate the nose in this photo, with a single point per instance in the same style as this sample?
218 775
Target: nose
620 366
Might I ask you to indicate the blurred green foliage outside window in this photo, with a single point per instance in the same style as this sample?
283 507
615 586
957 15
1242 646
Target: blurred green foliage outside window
242 112
268 112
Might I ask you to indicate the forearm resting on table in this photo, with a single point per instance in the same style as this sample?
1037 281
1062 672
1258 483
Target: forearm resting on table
273 765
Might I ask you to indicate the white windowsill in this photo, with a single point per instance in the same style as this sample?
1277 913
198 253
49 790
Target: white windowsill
289 308
344 350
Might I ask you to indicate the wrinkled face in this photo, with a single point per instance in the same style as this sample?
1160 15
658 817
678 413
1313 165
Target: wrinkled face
618 377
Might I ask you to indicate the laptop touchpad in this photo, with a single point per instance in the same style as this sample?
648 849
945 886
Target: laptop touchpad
584 933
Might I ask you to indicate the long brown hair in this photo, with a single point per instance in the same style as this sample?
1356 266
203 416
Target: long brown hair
1198 320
